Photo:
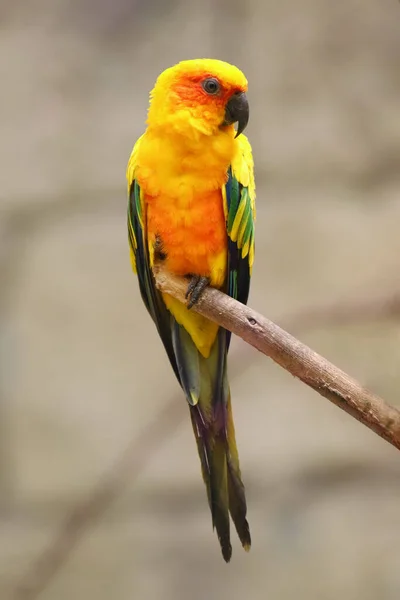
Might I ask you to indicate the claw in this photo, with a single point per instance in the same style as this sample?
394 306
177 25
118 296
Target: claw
194 280
195 289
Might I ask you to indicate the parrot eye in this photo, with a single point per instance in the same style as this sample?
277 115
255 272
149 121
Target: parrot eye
211 86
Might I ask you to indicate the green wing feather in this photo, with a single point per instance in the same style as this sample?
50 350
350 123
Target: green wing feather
239 203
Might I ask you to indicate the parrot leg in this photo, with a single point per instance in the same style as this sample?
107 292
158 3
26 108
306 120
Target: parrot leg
195 288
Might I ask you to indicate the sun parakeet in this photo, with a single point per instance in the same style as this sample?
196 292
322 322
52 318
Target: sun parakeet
192 207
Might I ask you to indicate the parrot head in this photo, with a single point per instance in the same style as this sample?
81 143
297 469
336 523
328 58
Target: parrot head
201 96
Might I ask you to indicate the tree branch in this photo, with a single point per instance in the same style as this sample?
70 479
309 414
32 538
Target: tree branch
292 355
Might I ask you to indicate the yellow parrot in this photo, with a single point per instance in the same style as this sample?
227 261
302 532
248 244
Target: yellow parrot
192 208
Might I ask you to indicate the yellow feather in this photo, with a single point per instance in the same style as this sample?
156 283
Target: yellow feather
243 170
238 219
225 202
242 228
202 331
133 260
245 249
251 254
130 170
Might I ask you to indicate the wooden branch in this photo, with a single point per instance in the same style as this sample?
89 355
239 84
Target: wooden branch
292 355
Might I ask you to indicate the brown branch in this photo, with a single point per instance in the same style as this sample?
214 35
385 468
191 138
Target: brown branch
292 355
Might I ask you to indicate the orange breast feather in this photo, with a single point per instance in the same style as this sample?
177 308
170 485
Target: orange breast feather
193 233
194 239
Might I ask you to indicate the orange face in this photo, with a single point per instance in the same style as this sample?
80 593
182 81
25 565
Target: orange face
204 89
200 92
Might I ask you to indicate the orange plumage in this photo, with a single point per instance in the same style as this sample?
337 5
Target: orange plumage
193 233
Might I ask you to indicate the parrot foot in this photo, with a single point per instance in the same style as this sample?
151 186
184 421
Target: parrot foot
195 289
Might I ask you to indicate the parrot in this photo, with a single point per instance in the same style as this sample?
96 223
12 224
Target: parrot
191 209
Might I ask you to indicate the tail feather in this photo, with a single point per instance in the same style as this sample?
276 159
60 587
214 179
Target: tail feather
205 383
220 496
238 508
221 474
212 452
237 497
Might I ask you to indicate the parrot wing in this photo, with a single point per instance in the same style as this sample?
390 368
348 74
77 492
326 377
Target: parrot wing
240 213
141 261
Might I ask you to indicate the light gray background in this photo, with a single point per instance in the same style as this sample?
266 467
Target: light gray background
82 370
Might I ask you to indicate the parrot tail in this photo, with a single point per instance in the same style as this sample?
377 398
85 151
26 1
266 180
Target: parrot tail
221 474
205 383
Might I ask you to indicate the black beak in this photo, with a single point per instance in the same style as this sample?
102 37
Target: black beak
237 110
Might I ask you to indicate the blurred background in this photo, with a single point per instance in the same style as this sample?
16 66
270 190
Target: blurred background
87 394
